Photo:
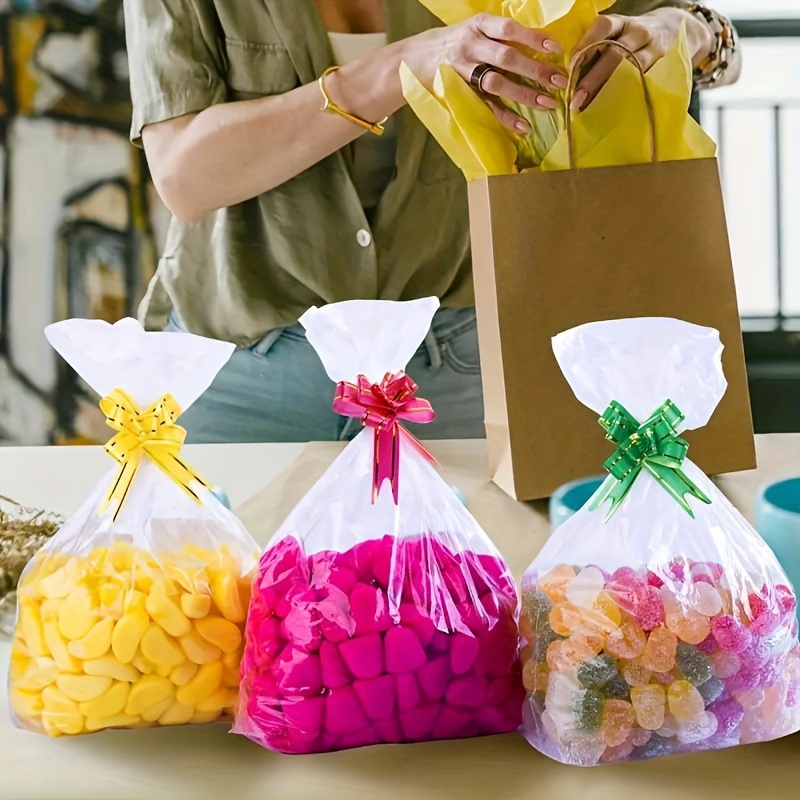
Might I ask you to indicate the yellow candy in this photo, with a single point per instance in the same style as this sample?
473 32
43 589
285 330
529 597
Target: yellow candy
225 591
108 704
146 692
54 699
191 579
220 632
121 556
109 667
122 638
181 675
198 650
161 649
155 711
68 722
202 686
143 581
165 611
38 673
96 643
165 670
30 624
136 601
143 665
195 606
77 614
25 704
83 687
117 721
215 702
111 596
230 677
128 633
62 581
178 714
57 645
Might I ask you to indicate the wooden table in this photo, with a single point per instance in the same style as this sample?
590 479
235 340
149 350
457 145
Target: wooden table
263 482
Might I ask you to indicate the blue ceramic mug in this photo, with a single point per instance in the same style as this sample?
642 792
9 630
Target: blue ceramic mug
778 522
571 498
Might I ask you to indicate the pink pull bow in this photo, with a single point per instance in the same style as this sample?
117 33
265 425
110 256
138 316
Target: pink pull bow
382 406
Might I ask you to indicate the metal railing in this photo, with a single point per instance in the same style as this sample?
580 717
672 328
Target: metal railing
776 111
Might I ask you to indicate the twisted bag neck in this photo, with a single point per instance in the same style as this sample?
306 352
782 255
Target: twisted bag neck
653 446
382 406
572 85
151 433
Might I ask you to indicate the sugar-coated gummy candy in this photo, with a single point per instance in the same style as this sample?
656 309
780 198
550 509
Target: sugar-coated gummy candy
597 672
693 664
659 652
617 688
685 702
729 713
700 664
711 689
125 638
627 642
618 720
395 640
731 635
649 703
587 705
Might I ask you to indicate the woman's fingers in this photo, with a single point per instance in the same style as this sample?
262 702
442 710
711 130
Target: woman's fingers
634 38
508 118
510 60
504 29
497 84
608 26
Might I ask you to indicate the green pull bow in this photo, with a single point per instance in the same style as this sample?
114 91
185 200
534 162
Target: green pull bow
654 446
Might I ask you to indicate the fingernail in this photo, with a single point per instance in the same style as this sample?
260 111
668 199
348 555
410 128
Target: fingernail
522 126
552 46
545 101
559 81
580 98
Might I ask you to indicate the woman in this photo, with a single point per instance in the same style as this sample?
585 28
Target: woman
279 206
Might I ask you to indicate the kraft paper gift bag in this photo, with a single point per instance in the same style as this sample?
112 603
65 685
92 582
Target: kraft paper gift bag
555 250
615 212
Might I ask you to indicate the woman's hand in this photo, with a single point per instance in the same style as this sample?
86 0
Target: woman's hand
488 39
650 36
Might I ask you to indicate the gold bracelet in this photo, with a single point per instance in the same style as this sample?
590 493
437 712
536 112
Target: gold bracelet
331 107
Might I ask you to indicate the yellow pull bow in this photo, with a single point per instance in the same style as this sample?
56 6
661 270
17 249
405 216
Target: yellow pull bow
152 433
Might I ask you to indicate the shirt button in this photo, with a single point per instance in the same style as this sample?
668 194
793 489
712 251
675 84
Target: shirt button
363 238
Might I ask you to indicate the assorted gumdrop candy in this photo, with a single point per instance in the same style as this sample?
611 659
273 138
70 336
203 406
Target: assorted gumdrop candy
124 638
395 640
636 664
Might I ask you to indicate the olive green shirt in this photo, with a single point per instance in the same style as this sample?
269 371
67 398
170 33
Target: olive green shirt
260 265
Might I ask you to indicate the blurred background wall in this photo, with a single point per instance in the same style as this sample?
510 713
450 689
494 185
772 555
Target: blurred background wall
80 225
79 221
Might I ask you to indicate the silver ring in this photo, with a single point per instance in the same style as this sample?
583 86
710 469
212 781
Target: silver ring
478 74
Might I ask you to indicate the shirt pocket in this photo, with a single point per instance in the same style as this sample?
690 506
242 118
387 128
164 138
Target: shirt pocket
259 69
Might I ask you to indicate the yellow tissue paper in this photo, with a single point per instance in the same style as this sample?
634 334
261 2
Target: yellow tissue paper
614 130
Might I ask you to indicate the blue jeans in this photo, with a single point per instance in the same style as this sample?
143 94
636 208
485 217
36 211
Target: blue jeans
278 391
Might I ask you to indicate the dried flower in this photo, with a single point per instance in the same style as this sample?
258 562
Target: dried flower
22 532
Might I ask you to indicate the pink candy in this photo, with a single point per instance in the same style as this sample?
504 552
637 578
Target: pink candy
392 641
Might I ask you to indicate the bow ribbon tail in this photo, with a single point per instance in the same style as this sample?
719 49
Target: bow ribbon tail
386 459
676 483
165 455
122 480
614 489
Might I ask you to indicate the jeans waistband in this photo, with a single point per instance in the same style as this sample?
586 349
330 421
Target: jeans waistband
447 323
